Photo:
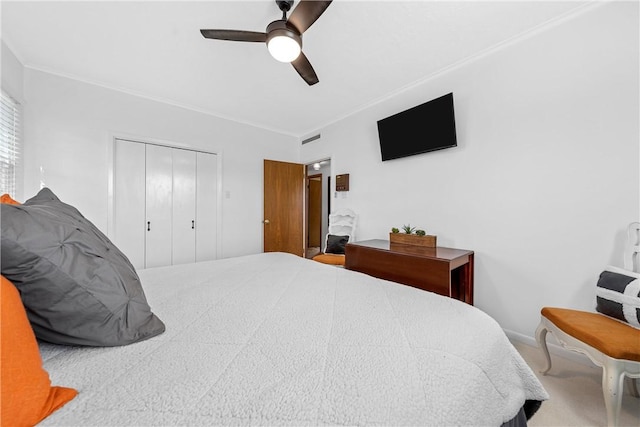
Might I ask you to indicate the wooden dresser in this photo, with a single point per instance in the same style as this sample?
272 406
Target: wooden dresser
445 271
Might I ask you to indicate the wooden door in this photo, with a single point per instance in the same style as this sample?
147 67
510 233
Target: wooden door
159 206
184 207
129 200
283 207
314 211
207 207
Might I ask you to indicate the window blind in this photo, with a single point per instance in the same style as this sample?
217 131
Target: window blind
9 143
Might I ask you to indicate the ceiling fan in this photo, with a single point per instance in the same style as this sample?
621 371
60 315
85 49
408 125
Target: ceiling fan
284 36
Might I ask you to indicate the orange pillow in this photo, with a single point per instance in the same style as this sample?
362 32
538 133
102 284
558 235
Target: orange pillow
27 396
5 198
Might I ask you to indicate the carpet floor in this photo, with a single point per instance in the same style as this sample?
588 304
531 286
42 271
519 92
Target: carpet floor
575 391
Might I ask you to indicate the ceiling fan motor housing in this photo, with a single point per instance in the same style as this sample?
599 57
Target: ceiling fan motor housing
283 28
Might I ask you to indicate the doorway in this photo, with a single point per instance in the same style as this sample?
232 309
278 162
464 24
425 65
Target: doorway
317 206
314 215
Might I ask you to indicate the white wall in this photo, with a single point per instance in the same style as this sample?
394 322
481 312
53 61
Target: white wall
12 74
69 126
545 177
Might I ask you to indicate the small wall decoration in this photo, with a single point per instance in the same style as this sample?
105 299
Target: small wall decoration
342 182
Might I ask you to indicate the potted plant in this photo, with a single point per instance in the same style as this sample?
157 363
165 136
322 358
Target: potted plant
408 229
411 236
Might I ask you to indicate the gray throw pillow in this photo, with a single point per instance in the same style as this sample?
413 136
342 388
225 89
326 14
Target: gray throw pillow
336 244
618 295
77 287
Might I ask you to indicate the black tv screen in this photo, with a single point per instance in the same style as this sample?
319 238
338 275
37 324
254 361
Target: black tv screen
427 127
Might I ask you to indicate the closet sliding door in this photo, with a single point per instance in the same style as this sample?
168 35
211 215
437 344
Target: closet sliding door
184 206
165 204
159 195
129 200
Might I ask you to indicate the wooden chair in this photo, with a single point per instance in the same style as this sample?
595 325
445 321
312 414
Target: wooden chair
341 223
609 343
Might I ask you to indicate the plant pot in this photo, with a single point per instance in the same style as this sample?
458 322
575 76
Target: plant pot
413 239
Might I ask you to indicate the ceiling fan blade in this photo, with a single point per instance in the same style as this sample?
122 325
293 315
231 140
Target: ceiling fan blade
306 13
235 35
304 68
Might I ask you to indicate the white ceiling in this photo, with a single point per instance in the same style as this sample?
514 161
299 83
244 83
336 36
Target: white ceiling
362 51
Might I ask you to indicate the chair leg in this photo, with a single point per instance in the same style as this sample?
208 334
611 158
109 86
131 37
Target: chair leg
541 338
634 386
612 382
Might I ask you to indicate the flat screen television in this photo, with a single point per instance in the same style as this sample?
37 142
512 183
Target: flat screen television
427 127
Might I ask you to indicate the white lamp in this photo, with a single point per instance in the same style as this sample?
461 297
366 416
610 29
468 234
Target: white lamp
284 43
316 166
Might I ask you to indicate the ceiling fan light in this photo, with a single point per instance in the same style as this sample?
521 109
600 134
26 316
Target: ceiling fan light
283 48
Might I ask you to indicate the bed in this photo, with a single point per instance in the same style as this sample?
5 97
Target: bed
275 339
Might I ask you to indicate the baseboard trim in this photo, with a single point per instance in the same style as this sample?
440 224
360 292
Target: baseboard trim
554 348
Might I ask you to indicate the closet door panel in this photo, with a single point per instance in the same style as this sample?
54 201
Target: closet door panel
184 206
159 206
207 206
129 200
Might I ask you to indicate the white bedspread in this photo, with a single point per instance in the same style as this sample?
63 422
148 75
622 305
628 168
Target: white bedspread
273 339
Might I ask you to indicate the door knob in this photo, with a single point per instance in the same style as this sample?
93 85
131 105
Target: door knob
266 221
148 225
